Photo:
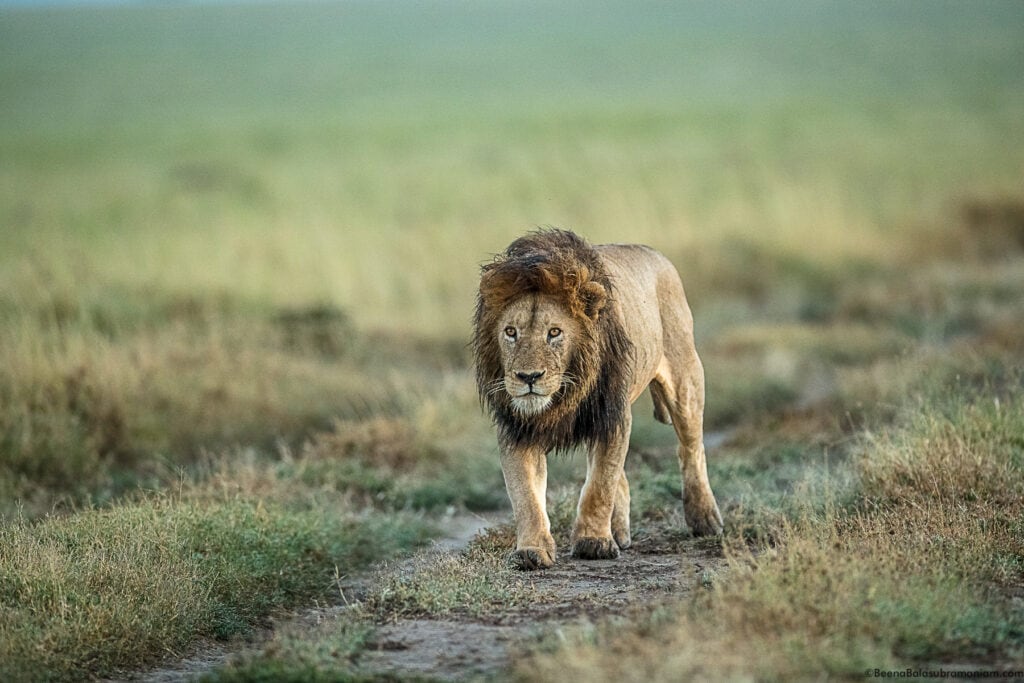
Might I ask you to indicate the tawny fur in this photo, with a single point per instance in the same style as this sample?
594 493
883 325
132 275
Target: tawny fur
566 337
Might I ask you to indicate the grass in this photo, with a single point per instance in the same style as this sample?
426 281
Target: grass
239 250
175 200
473 583
913 569
294 656
110 590
194 274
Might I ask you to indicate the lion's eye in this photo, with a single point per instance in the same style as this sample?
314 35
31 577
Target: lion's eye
554 332
510 332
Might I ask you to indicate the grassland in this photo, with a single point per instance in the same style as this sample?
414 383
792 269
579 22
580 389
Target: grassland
917 566
238 252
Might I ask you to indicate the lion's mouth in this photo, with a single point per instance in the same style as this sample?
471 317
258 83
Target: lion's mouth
517 390
531 402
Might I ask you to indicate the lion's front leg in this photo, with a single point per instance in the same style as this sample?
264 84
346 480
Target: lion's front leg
620 515
592 535
526 476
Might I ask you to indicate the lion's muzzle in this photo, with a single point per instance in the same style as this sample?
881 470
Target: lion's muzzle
528 395
530 377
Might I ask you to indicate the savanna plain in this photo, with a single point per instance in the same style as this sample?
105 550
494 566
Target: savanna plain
239 249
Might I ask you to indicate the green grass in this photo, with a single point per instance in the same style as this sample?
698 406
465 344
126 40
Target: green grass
109 590
296 656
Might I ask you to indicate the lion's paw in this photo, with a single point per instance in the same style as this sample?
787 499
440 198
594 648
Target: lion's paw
622 539
704 520
590 548
528 559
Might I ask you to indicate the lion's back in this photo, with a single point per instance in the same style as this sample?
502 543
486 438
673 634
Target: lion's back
649 296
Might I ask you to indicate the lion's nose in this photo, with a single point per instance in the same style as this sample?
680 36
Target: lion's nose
530 377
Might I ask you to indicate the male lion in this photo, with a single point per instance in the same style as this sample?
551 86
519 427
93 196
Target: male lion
567 336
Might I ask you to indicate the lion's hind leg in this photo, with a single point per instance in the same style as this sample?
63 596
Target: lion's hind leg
682 386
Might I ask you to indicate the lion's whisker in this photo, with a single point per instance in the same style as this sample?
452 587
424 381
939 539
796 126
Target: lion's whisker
495 387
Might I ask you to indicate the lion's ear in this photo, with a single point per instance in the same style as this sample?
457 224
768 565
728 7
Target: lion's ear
494 285
594 297
548 281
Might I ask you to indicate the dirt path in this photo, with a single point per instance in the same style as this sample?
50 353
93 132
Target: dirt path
574 592
209 655
464 647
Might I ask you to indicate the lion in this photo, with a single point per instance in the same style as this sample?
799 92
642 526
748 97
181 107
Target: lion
566 337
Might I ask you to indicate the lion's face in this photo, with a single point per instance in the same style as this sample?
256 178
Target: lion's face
550 352
536 335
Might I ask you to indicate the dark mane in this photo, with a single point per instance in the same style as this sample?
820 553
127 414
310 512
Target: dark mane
559 263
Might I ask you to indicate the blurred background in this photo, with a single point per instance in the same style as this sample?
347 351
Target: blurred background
229 224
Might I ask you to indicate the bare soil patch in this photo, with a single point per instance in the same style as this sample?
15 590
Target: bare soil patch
662 566
657 569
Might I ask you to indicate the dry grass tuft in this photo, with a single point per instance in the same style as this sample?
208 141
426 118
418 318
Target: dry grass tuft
993 227
843 589
473 583
953 453
384 441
